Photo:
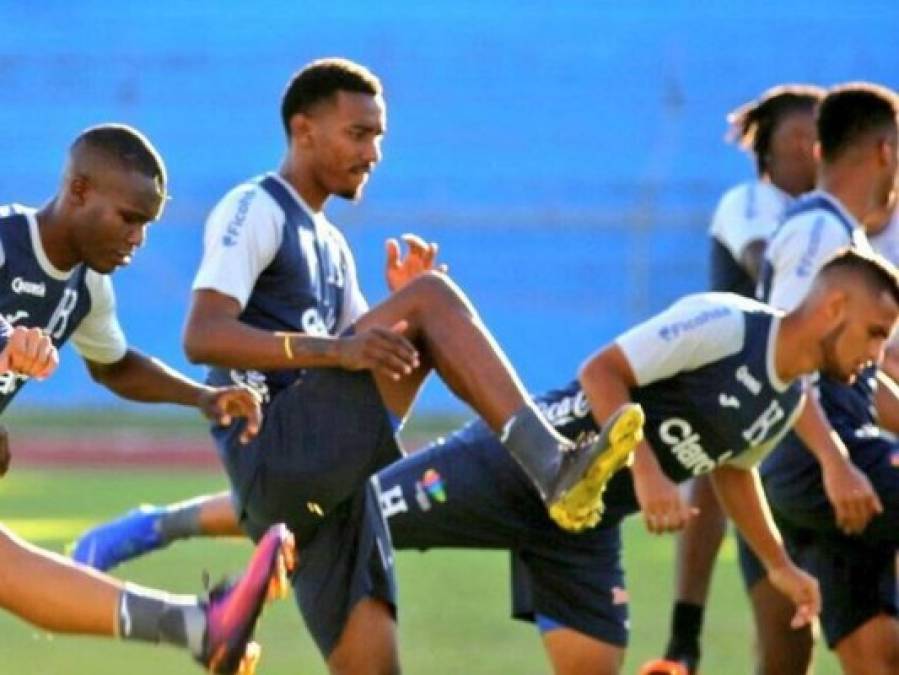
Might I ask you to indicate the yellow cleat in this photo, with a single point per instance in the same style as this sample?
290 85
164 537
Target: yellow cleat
580 506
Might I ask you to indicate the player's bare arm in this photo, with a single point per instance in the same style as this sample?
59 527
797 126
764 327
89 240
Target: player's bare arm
138 377
214 335
849 491
886 399
740 494
607 378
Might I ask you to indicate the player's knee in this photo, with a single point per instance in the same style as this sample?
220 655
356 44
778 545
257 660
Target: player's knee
436 291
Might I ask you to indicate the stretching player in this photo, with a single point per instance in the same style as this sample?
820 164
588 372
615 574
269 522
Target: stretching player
778 131
276 306
716 375
54 263
857 129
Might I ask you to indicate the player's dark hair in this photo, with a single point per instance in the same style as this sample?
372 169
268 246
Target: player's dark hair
127 146
322 79
852 112
875 271
752 125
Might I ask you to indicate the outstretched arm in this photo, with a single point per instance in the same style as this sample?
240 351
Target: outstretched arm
138 377
740 493
607 379
849 491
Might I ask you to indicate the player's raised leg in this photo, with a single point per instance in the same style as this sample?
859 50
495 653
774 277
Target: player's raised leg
450 338
57 595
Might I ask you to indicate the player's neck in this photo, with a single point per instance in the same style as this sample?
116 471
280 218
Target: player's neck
851 187
54 237
795 354
304 183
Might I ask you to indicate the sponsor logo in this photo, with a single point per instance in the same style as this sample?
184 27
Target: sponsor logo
315 509
675 330
254 380
422 497
432 482
745 378
235 225
806 265
19 285
728 401
312 322
685 445
393 501
18 316
566 409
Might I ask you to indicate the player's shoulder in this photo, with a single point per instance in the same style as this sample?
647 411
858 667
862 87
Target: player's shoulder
750 199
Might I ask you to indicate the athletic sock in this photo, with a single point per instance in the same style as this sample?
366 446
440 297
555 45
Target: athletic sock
180 521
686 626
151 616
536 446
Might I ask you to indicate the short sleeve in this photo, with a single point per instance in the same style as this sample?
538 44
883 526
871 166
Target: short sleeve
99 337
693 332
747 213
242 236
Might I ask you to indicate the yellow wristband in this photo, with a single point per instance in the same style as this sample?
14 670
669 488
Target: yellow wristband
288 348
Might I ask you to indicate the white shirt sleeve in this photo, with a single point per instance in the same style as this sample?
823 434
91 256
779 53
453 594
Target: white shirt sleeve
242 237
694 331
354 302
747 213
798 251
99 337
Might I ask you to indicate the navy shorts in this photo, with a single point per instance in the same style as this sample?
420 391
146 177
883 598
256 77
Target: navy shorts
467 492
857 574
310 466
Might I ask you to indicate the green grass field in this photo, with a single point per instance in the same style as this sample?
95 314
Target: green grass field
454 605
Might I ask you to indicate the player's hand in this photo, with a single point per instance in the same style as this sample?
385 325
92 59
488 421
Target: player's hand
419 259
664 509
384 350
851 494
223 404
801 589
30 352
5 455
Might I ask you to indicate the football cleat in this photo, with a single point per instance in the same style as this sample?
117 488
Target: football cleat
110 544
665 667
576 501
232 609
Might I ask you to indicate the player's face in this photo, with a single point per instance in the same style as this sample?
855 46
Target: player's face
345 140
112 217
791 162
860 337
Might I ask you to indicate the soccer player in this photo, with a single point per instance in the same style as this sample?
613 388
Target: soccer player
851 553
719 379
778 131
277 306
54 285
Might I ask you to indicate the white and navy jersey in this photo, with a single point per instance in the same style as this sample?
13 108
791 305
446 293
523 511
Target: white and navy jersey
886 242
746 213
289 269
79 303
815 227
707 382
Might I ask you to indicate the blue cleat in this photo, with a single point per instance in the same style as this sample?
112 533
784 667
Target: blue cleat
110 544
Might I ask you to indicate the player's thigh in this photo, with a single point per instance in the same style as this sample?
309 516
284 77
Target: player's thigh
573 653
368 643
464 491
871 649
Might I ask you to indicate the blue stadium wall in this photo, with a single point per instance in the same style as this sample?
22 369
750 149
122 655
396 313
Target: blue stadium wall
566 155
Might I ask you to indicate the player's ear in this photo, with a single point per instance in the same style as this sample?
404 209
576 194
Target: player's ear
836 305
300 130
76 190
816 151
